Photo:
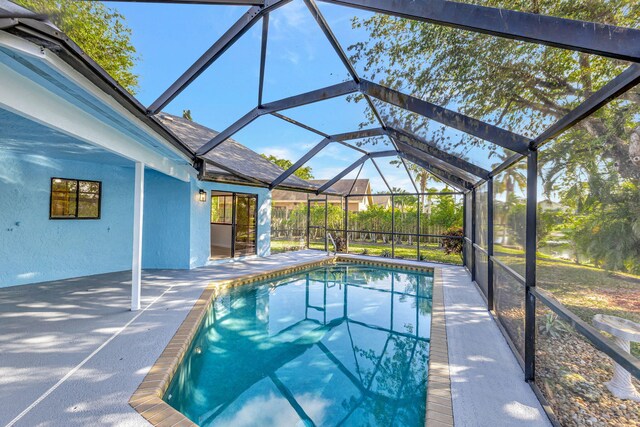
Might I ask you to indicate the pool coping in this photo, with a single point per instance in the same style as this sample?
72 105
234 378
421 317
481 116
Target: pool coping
147 399
439 403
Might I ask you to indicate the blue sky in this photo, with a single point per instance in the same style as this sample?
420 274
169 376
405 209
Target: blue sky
169 38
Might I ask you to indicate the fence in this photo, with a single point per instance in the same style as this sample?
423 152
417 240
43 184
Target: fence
407 225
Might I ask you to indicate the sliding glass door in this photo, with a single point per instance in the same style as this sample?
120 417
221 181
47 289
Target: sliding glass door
245 224
233 224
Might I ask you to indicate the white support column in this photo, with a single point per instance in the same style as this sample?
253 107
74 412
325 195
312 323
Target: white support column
138 209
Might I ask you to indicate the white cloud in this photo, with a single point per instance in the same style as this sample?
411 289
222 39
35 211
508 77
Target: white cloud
273 410
295 15
338 152
291 56
280 152
293 23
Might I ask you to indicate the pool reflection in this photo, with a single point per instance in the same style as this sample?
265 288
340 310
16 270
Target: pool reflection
338 345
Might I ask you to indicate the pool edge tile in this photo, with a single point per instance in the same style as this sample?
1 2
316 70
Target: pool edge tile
439 403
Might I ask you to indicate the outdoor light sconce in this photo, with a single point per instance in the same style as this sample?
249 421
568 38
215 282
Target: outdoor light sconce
202 195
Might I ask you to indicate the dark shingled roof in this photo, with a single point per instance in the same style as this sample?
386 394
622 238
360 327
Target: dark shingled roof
230 160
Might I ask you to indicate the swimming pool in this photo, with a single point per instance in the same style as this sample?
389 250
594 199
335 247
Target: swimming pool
341 344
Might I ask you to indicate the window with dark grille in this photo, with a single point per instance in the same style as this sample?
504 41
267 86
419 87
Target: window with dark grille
75 199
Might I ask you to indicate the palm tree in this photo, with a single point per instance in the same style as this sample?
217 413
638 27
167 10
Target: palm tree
421 176
506 184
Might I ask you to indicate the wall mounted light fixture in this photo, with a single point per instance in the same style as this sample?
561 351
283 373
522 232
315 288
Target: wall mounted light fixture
202 195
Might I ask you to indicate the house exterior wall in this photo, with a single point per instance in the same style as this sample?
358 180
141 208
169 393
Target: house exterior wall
35 248
288 205
356 206
177 226
96 138
176 230
201 220
166 222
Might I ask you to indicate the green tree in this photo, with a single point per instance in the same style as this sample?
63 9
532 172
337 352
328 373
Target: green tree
100 31
520 86
370 223
507 181
303 172
297 219
507 213
406 221
402 199
524 87
420 174
446 212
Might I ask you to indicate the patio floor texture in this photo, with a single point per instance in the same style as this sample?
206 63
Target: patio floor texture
71 352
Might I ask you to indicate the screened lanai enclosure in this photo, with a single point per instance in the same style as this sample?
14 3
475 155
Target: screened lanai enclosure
412 226
503 135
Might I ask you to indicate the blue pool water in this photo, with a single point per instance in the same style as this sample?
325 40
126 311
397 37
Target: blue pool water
344 344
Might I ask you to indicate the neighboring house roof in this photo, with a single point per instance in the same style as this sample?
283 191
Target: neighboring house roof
230 157
288 196
548 205
381 200
342 187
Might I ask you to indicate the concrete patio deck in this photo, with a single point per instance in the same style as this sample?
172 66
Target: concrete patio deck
71 352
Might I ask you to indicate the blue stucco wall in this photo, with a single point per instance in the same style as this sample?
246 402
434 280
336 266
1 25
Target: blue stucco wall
167 222
177 228
200 220
176 233
34 248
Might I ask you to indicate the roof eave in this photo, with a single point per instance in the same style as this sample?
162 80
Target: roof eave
49 37
234 179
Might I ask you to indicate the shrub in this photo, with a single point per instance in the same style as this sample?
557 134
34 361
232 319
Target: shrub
552 326
386 253
453 246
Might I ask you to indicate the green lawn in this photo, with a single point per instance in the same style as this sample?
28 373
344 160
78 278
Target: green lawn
584 289
428 251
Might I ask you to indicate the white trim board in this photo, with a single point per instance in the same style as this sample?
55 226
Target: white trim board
16 43
28 99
